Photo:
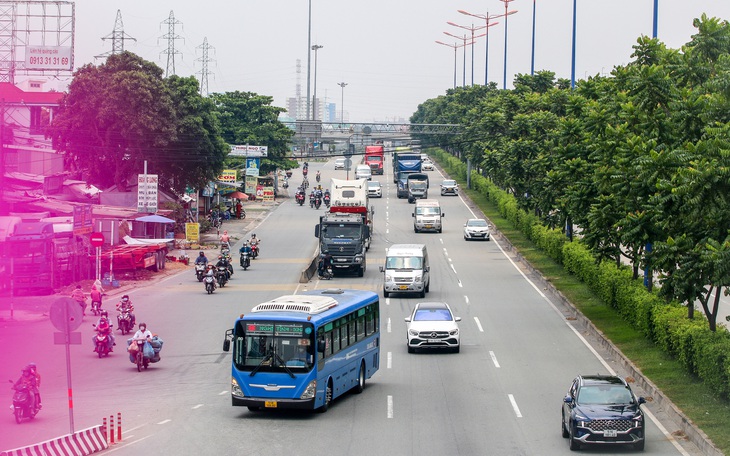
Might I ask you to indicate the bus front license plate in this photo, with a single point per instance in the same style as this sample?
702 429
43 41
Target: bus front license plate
270 404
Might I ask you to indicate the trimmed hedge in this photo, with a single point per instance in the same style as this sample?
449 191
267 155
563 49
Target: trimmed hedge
702 352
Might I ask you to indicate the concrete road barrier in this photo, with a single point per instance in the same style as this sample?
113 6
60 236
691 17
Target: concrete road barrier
81 443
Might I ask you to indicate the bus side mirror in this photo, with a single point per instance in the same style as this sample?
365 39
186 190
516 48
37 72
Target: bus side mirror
226 345
443 214
316 231
381 269
413 214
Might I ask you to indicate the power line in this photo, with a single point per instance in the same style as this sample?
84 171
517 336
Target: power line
117 36
170 36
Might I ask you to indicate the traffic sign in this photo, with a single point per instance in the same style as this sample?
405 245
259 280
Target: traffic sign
66 314
348 163
97 239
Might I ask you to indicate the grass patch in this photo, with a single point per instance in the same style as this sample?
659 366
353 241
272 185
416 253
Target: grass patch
708 411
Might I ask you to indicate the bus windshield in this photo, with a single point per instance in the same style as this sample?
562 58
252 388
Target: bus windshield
273 346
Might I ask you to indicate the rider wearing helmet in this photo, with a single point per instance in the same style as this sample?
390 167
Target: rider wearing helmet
202 259
325 261
104 328
126 304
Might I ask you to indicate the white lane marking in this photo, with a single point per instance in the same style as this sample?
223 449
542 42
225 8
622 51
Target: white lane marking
460 284
124 445
164 421
450 260
387 301
132 429
651 416
390 406
390 360
387 231
514 406
388 324
386 214
494 359
197 406
466 298
445 252
223 392
453 268
479 324
441 240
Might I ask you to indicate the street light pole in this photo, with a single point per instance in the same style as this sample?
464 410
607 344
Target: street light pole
455 46
487 17
504 77
472 29
342 107
532 61
315 48
309 54
572 58
656 19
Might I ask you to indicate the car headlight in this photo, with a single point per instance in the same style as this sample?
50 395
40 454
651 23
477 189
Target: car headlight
235 389
418 278
310 391
413 332
638 420
454 332
388 278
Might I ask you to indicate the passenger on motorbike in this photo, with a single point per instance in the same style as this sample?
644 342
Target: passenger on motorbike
78 295
202 259
104 328
223 261
325 262
126 305
225 240
95 295
29 379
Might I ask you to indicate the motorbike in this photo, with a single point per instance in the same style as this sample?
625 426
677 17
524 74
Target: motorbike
199 271
254 250
286 183
317 202
324 273
96 307
24 403
318 177
124 321
327 200
101 343
300 199
245 260
222 275
209 282
305 170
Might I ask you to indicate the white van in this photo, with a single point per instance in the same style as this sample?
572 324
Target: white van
406 270
363 172
427 216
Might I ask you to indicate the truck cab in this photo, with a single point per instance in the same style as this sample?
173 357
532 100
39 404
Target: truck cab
417 184
344 236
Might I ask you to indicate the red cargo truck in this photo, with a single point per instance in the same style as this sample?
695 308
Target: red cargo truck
374 156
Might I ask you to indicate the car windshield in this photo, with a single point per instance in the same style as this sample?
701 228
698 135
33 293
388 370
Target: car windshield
374 184
604 395
432 315
449 183
476 223
403 263
428 211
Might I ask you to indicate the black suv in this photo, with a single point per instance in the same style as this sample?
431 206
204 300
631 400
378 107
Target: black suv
602 409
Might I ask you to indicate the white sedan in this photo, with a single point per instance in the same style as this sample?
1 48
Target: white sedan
427 166
476 229
432 325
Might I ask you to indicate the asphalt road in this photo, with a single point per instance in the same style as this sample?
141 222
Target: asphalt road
501 395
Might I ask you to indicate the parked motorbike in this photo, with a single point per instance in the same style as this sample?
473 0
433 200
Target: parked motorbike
245 260
24 403
209 282
221 275
101 344
124 321
199 271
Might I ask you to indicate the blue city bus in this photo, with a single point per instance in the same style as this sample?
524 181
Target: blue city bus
302 351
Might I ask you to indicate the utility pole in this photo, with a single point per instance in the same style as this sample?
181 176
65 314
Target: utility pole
204 72
2 158
117 36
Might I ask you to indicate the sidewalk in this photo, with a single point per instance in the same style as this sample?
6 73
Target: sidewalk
35 308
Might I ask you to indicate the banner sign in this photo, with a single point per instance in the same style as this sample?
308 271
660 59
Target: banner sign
249 151
48 57
252 166
82 220
228 176
192 232
268 193
251 183
147 193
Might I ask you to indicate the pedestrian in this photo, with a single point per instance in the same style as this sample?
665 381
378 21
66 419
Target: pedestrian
238 209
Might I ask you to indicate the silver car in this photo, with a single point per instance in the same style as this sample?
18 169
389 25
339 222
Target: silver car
432 325
449 187
476 229
340 163
374 189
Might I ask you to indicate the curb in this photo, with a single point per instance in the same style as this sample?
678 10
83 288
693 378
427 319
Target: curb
81 443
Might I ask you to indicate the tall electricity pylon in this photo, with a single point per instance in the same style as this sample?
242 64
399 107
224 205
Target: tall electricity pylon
117 36
171 37
204 71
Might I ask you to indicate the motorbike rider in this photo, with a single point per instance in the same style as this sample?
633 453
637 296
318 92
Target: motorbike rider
318 176
104 328
202 259
225 240
126 304
95 295
78 295
325 262
31 379
223 262
245 248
